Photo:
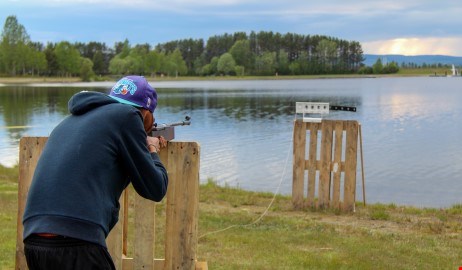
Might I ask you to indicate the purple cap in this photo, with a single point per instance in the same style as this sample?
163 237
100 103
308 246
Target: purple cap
135 91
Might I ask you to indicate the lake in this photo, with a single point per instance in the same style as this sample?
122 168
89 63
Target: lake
411 129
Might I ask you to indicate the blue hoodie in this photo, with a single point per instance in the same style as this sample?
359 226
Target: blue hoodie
88 160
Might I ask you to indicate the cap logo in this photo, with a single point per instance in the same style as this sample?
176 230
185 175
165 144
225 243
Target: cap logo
124 86
148 104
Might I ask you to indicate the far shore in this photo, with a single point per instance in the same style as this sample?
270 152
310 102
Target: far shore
66 80
26 80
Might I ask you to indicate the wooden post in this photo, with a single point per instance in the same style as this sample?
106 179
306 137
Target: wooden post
30 150
299 164
182 205
362 163
350 165
125 222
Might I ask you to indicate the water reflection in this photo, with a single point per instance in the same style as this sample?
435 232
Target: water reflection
248 105
29 111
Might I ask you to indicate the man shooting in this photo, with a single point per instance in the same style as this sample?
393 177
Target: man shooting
88 160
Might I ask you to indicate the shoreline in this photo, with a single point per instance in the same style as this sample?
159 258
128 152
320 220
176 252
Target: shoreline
72 80
27 80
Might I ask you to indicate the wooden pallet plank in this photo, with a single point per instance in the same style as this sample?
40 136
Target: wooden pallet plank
298 163
312 163
115 238
144 233
128 264
326 160
30 149
350 165
337 163
182 205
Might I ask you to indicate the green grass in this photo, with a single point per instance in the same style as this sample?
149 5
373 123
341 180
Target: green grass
8 213
374 237
378 236
423 71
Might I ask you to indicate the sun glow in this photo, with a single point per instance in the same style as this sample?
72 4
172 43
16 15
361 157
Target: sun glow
415 46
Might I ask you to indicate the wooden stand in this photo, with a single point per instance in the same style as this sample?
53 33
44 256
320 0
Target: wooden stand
329 165
182 162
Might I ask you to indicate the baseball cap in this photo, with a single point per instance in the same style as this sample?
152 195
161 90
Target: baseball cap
136 91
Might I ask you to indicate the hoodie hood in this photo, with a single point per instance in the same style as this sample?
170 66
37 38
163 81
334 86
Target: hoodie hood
85 101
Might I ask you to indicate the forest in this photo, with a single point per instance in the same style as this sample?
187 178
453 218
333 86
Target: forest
237 54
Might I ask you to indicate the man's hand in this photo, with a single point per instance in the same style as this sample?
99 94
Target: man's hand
156 143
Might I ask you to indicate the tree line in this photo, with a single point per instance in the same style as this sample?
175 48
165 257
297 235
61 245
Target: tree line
262 53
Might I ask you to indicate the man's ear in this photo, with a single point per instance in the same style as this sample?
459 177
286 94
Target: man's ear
148 120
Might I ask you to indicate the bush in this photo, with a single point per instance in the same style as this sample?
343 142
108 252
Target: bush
365 70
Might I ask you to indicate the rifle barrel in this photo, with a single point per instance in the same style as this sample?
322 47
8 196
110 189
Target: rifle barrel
164 126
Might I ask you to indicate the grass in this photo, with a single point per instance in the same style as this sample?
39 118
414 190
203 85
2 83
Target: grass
377 236
8 213
424 71
374 237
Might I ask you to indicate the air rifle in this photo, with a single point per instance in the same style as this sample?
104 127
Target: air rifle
168 130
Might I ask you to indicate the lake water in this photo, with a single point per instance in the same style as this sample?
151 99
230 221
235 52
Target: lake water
411 129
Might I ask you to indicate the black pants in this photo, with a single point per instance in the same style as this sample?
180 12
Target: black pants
64 253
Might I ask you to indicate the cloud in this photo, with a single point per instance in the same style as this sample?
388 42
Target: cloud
300 7
410 27
415 46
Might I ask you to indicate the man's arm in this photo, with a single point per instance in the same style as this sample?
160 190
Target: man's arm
147 173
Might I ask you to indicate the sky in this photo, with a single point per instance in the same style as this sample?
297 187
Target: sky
408 27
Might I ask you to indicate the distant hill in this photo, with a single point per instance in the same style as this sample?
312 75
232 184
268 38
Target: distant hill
417 59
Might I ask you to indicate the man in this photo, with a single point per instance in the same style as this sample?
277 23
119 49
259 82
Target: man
89 159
